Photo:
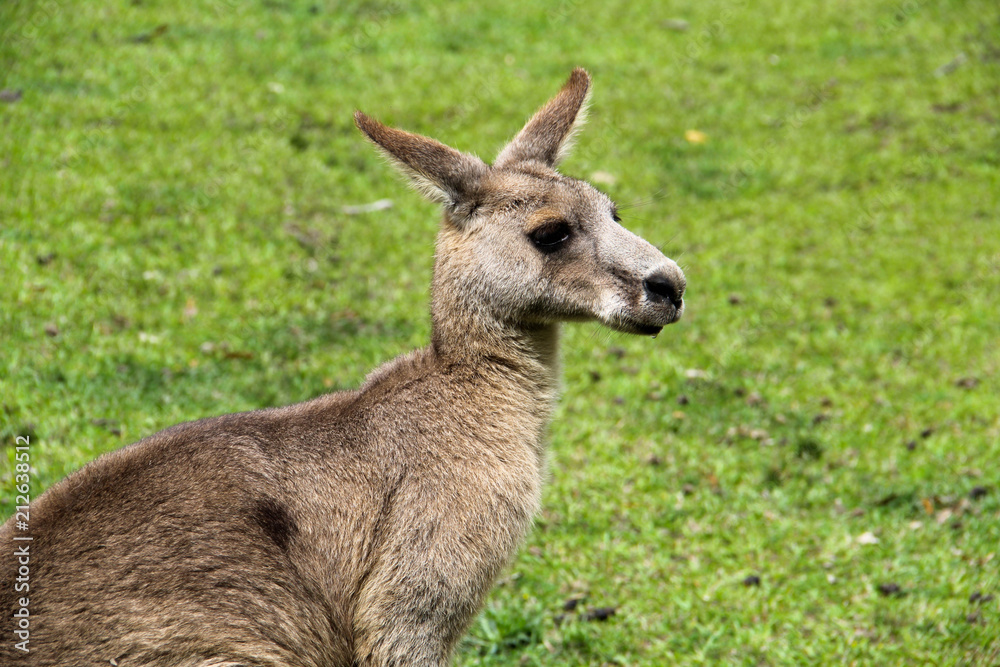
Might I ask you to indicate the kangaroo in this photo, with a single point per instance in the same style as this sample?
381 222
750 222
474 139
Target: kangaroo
363 527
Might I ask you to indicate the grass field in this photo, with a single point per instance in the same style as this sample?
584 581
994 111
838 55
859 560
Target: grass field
805 470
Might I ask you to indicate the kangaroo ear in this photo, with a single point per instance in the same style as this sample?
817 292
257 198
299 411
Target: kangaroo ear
443 174
546 137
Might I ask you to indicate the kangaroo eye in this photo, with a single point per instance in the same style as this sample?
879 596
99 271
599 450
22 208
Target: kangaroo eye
615 216
550 236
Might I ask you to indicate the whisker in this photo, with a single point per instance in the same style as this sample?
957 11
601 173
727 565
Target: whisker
662 247
645 201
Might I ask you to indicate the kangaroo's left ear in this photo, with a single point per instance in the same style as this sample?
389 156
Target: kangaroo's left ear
547 136
442 173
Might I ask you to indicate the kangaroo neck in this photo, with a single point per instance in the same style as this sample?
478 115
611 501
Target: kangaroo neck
525 353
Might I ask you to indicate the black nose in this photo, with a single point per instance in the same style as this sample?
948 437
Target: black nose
663 288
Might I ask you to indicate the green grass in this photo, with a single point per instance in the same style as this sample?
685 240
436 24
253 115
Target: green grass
173 246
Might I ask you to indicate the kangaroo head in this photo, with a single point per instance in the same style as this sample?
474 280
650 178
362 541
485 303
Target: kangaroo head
523 245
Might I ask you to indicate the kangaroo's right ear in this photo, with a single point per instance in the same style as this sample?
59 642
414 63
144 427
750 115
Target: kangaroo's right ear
547 136
442 173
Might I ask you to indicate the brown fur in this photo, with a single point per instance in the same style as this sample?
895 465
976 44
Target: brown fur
362 527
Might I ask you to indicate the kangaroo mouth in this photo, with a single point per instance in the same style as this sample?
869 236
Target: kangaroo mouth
645 327
648 330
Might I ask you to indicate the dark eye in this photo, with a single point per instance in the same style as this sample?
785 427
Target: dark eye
550 236
615 216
